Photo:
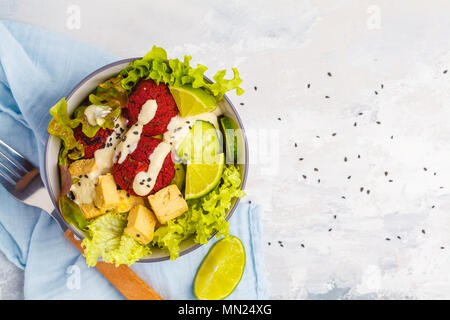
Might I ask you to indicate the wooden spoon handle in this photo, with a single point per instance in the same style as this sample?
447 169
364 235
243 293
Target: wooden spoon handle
123 278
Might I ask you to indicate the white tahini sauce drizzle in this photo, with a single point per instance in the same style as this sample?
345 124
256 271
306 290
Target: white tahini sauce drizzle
96 114
131 139
104 156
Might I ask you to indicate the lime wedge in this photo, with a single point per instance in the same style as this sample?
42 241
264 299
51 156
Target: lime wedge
191 102
203 177
228 127
221 270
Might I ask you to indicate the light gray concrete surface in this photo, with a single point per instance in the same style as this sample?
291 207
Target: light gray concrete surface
356 213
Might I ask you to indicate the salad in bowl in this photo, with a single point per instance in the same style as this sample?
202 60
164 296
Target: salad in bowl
150 157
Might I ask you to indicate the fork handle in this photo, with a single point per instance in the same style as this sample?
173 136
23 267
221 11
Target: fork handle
129 284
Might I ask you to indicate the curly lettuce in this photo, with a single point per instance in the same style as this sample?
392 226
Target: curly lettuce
107 240
177 73
61 126
204 217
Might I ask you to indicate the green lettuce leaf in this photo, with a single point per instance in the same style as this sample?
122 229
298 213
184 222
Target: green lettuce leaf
205 215
61 126
177 73
108 241
72 213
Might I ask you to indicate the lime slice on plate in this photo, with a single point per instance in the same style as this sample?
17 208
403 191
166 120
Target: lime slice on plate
201 178
221 270
192 101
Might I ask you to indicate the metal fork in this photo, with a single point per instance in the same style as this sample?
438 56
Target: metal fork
20 178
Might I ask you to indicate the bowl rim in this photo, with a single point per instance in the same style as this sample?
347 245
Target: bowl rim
75 231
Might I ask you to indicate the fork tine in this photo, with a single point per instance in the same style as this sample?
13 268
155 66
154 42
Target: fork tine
15 158
5 173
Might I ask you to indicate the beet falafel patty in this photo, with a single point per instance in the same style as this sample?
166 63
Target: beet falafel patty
138 161
167 108
91 144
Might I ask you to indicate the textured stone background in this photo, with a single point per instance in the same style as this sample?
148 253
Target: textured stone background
376 225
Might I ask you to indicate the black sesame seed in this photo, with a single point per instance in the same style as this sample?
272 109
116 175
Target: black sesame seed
148 186
390 180
71 195
382 86
279 119
386 173
359 157
334 134
388 239
135 132
445 71
361 189
425 169
368 191
376 92
302 245
269 243
398 237
128 145
86 176
295 144
256 88
378 122
345 159
79 184
128 195
349 177
309 85
327 97
141 183
355 124
343 197
318 180
241 103
423 231
304 176
432 207
116 126
301 159
138 235
335 216
329 74
329 230
360 113
149 179
315 169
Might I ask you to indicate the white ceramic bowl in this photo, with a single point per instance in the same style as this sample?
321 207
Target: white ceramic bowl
75 97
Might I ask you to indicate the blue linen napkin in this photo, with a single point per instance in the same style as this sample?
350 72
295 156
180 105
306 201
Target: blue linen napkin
37 68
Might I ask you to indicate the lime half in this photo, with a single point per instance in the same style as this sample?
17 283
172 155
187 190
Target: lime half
221 270
203 177
192 101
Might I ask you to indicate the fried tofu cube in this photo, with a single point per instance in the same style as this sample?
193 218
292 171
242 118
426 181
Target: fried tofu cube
106 195
141 224
82 167
128 201
168 203
90 211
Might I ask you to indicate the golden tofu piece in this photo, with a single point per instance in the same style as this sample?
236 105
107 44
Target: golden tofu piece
141 224
168 203
90 211
82 167
127 201
106 195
